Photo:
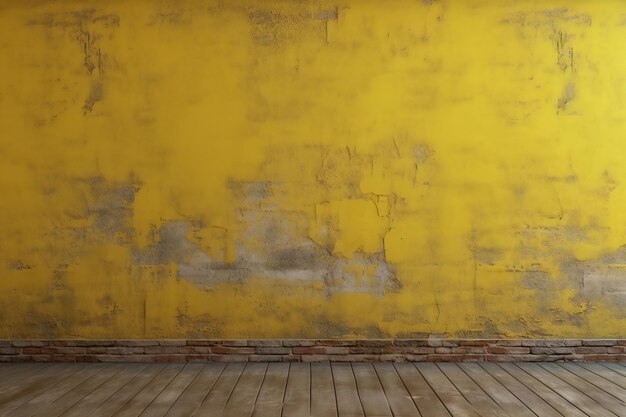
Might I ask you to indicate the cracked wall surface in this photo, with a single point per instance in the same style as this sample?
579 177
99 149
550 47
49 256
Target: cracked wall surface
287 169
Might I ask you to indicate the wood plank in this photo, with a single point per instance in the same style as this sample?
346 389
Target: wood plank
398 397
546 393
531 400
126 393
298 391
17 395
97 397
426 400
607 401
498 393
575 397
348 401
272 394
471 391
196 392
245 393
598 381
616 367
215 401
166 398
454 402
55 392
604 372
13 373
86 386
373 398
148 393
323 400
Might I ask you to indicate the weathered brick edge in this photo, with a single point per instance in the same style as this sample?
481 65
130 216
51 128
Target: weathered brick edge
308 350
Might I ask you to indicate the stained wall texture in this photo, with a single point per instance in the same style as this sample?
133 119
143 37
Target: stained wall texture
345 168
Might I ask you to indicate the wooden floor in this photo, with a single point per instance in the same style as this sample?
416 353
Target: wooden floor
319 389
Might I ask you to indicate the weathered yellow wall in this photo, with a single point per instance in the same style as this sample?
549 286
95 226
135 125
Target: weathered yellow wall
348 168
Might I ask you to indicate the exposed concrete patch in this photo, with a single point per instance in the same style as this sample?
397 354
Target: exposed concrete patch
104 215
272 27
568 94
86 27
193 264
18 265
605 279
275 242
96 94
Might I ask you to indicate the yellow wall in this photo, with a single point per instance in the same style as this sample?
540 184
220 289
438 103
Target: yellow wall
348 168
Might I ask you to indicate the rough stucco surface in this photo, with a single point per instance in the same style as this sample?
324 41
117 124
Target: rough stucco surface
256 169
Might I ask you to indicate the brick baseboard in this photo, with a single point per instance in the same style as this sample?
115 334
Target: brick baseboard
314 350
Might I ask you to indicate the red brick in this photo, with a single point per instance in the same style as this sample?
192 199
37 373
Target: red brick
507 350
409 349
455 358
551 350
616 349
590 350
204 342
370 350
123 350
502 358
198 357
63 350
235 342
321 350
86 358
315 358
509 342
599 342
336 342
164 350
29 343
225 350
551 342
468 349
411 342
605 358
265 358
375 342
63 358
229 358
298 342
200 349
272 351
125 358
481 342
172 342
416 358
170 358
137 342
265 343
391 358
40 358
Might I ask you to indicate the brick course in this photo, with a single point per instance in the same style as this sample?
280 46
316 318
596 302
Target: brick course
313 350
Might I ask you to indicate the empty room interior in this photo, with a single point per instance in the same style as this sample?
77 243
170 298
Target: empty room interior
313 208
